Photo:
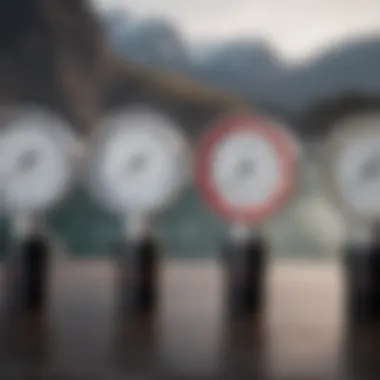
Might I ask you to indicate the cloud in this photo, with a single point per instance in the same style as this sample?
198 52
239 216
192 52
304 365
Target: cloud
296 27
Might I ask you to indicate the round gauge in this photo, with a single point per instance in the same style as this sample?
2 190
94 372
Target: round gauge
139 163
35 161
352 166
246 167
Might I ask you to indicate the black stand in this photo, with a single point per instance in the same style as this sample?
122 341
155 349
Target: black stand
135 347
27 274
244 350
137 264
362 282
245 268
360 353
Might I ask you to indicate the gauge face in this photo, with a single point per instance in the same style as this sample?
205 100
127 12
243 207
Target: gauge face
140 163
352 166
35 165
246 167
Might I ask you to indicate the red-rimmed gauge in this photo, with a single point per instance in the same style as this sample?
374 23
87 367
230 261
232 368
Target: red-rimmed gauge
246 167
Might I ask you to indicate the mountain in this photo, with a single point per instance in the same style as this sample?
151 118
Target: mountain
252 68
247 67
52 53
351 68
117 26
55 54
153 41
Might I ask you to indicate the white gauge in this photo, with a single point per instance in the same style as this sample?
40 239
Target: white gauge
246 167
352 166
35 161
140 162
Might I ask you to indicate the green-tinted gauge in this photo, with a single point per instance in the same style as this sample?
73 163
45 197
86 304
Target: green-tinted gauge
351 166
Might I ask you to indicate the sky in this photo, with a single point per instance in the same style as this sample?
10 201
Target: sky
297 29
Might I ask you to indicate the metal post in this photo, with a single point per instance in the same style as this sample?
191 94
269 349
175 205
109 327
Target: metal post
361 260
27 270
137 259
244 256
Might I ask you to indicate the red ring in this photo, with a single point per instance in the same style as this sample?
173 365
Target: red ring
281 143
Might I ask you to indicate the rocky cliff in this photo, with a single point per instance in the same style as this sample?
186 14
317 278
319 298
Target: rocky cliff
53 53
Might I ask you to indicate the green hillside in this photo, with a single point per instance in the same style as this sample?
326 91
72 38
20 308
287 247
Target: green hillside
189 228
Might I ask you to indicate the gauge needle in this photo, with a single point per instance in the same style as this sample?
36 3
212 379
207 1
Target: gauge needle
244 168
27 161
371 169
24 164
135 165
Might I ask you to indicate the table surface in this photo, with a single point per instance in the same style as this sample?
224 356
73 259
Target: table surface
300 335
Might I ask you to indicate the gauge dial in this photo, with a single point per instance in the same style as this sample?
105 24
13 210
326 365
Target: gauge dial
140 163
246 167
352 166
35 161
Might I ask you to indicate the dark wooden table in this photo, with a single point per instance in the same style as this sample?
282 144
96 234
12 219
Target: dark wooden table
301 336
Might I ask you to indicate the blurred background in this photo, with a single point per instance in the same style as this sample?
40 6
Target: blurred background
306 62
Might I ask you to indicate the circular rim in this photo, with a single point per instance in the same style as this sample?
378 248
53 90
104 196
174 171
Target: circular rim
340 135
58 131
102 136
281 142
